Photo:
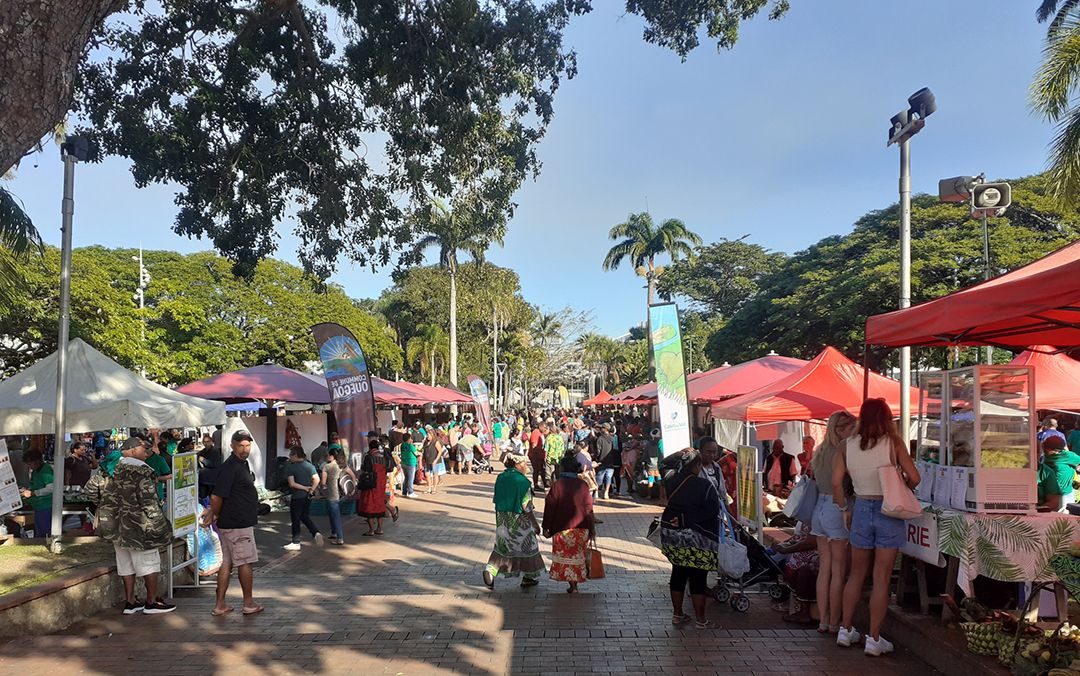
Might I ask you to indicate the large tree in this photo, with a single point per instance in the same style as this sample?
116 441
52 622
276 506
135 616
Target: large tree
639 241
720 277
464 230
337 115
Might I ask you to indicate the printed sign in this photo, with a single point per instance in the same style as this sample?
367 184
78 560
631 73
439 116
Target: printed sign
922 539
184 494
10 500
352 398
749 493
670 377
479 391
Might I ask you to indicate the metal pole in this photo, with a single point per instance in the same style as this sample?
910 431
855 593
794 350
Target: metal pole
67 209
986 275
905 286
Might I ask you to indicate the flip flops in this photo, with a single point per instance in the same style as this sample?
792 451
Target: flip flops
218 613
254 610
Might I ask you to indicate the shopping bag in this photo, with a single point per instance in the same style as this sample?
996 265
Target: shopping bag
652 534
210 555
897 500
594 563
732 554
440 468
802 501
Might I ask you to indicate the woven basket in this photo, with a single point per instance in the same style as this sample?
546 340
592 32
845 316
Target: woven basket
1007 647
982 638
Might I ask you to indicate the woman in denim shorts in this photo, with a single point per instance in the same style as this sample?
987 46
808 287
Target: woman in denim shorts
828 524
875 538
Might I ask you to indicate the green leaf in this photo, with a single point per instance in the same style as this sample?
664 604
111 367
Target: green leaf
1056 541
1012 532
995 563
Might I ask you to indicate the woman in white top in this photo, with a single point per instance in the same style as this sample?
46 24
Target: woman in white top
875 538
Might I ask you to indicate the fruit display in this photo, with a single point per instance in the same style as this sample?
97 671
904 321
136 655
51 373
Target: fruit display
1054 652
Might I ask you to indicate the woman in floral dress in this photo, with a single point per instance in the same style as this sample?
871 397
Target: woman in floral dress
516 548
569 522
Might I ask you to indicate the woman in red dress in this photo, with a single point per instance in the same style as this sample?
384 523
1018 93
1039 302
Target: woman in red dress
569 522
371 502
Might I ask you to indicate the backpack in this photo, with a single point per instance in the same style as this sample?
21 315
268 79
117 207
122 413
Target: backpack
346 485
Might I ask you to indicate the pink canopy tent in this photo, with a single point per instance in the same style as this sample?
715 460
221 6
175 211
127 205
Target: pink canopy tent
830 382
732 381
266 382
1056 377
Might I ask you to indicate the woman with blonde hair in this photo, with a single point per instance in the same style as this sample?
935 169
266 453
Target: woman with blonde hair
875 537
828 524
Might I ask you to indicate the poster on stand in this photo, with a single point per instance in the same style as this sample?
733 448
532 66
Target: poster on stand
748 492
670 377
184 494
352 398
564 397
479 391
10 499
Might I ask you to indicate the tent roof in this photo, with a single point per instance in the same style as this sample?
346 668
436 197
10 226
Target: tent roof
830 382
602 397
429 394
100 394
266 382
746 377
1038 303
1056 377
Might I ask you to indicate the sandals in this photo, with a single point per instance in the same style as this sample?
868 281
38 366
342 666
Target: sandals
706 624
378 532
254 609
218 613
368 534
681 618
826 629
394 516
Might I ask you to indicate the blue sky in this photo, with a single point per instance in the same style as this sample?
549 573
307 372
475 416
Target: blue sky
782 138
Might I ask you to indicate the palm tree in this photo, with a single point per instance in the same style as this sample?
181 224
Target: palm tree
642 241
452 232
18 239
547 324
1051 94
428 351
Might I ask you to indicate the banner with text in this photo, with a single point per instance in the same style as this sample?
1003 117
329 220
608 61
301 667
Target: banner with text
748 491
10 498
479 391
352 398
921 541
670 377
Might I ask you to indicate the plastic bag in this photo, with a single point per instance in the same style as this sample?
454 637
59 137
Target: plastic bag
732 555
209 549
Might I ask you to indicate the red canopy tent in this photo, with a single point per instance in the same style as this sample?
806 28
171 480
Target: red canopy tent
830 382
602 397
429 394
1056 377
636 395
1038 303
732 381
266 382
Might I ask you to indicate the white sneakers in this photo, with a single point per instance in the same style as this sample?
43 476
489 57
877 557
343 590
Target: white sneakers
319 540
293 547
847 637
874 646
879 646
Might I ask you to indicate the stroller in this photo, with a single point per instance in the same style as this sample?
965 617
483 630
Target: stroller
480 462
763 570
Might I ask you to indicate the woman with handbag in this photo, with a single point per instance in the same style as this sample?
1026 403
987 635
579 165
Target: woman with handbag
689 537
569 522
827 524
371 484
875 536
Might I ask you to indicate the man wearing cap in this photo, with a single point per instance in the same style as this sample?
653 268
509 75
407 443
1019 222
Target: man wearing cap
234 506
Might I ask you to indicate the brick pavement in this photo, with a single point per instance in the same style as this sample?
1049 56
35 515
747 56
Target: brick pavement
412 602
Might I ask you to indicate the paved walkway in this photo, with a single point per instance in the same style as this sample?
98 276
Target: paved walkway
412 602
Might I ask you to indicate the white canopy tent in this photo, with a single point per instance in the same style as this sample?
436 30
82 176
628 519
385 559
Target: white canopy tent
101 394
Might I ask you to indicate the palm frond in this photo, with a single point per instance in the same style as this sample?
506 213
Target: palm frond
1056 541
1057 76
1046 8
954 533
17 231
1065 159
623 250
994 563
1011 531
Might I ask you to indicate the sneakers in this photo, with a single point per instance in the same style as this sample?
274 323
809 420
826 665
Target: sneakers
879 646
319 539
292 547
132 608
158 607
847 637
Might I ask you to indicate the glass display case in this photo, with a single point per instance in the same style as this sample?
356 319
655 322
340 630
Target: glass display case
931 429
991 430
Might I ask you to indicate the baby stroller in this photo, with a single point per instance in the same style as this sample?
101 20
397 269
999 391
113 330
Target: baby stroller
764 570
480 462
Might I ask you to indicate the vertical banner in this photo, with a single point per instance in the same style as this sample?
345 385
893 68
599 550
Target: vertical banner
749 494
352 398
184 494
670 377
564 397
10 498
479 391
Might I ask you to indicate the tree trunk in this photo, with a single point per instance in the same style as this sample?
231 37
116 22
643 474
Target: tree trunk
433 367
495 356
651 278
453 327
42 42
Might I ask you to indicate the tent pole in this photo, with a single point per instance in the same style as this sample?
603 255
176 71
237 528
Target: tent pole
67 210
865 372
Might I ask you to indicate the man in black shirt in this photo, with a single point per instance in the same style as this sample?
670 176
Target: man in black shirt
610 461
234 505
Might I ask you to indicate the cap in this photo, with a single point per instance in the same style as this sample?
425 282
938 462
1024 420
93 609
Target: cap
241 435
1055 443
134 442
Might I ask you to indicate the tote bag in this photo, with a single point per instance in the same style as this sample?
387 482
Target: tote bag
800 504
594 563
897 500
733 559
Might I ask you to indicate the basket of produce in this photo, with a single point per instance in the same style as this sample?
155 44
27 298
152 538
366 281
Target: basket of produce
983 638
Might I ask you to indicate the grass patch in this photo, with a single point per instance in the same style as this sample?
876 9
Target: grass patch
22 567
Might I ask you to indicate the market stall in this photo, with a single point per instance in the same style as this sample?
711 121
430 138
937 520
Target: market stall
1056 377
602 398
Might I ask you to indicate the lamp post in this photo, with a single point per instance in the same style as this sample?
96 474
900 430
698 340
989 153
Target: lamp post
73 150
903 126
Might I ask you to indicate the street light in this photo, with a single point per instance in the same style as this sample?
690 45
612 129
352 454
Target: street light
985 199
903 126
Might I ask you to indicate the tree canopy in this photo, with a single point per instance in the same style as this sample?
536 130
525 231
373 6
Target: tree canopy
200 318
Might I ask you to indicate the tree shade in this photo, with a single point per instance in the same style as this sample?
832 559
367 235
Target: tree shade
1037 303
830 382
